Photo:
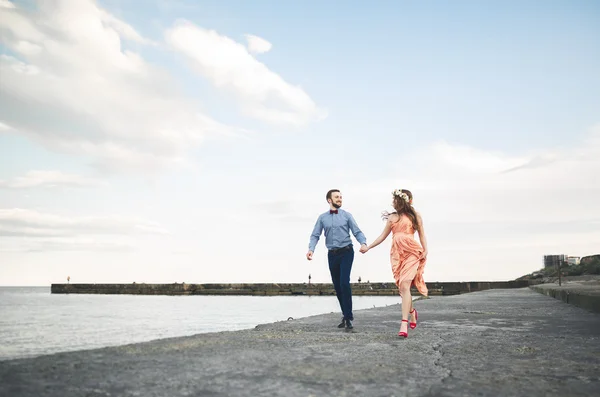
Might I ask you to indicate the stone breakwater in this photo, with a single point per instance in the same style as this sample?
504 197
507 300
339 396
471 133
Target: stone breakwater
273 289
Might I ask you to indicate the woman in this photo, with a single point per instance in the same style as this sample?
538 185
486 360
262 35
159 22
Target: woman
407 255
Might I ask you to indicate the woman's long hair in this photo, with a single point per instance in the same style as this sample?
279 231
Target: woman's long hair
403 207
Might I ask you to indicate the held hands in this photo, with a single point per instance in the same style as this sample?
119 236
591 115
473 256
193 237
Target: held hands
309 255
363 248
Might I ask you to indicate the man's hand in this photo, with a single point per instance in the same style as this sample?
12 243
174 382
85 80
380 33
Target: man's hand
363 248
309 255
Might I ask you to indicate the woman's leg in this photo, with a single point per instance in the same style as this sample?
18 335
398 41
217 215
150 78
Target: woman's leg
406 303
413 318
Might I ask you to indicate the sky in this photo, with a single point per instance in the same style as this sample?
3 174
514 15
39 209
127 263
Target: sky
194 141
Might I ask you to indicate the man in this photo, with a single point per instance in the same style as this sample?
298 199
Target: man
337 224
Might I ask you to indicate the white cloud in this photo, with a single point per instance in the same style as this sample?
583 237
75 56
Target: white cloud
42 178
258 45
90 96
5 127
6 4
263 94
32 222
64 245
30 230
124 30
457 158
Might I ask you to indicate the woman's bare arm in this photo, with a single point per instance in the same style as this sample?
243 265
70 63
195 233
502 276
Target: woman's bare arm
386 231
422 237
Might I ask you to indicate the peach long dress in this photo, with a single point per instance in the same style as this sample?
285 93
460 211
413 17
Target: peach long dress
406 255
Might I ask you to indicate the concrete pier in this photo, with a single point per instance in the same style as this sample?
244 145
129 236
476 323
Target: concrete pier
584 294
367 288
492 343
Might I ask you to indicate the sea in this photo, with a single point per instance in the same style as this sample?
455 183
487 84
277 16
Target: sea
34 322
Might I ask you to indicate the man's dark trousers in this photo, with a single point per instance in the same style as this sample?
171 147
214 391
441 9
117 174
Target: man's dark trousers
340 265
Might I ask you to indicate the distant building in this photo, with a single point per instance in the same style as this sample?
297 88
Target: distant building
573 260
554 260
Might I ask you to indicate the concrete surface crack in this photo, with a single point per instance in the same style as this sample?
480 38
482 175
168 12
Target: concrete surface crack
437 348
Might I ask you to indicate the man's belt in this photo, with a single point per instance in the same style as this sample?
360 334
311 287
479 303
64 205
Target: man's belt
334 250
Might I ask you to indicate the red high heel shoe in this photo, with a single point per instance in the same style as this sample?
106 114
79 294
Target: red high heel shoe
404 334
411 324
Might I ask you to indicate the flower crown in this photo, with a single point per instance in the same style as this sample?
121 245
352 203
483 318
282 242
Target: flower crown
399 192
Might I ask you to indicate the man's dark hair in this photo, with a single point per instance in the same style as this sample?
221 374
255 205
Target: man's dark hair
329 193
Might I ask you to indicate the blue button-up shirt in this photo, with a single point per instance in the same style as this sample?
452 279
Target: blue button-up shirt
337 230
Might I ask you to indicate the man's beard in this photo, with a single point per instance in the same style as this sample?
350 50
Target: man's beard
336 206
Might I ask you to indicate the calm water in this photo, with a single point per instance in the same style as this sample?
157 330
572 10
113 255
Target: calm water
34 322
